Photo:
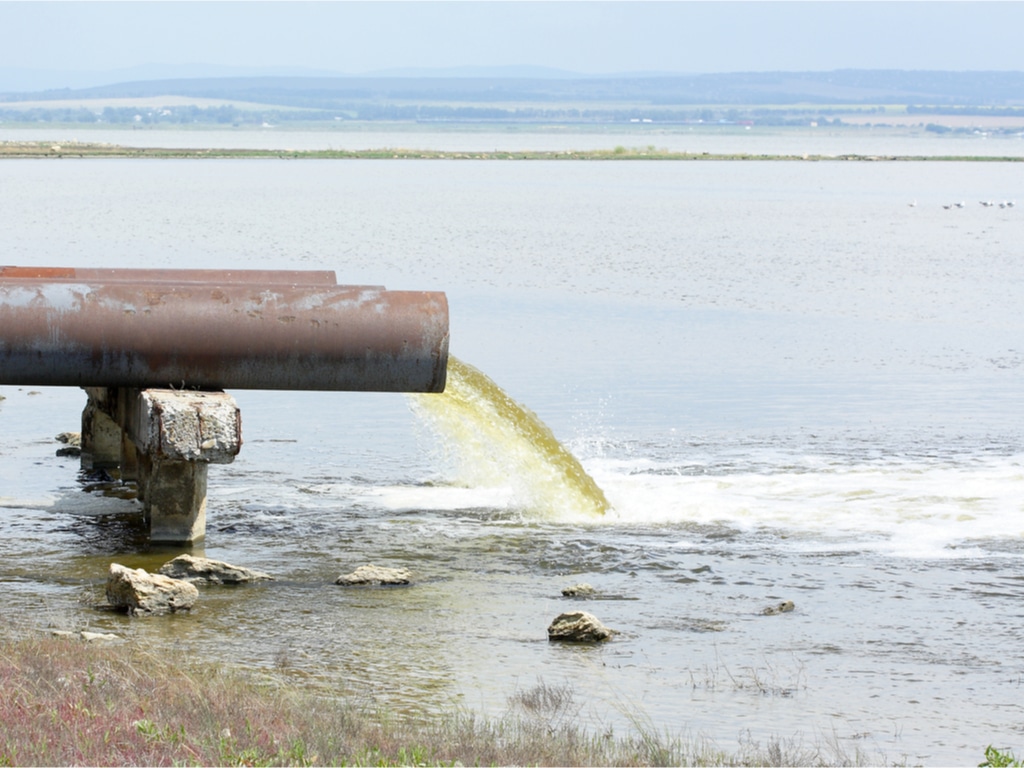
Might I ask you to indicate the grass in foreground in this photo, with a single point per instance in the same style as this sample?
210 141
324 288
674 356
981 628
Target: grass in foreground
997 758
67 702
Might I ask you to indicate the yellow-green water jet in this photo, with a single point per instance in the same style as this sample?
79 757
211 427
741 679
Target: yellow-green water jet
497 441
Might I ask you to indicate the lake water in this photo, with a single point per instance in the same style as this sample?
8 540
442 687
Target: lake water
792 381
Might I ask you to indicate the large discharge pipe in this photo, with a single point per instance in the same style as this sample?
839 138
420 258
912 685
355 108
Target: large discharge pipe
86 330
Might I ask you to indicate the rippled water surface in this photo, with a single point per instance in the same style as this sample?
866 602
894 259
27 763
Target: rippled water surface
789 382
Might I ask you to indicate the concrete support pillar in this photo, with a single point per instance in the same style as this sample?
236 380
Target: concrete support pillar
101 434
165 440
174 499
129 459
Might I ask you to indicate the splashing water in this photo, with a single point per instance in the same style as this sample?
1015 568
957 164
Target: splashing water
497 442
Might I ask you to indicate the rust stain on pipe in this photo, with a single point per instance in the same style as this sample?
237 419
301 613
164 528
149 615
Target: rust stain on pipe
57 331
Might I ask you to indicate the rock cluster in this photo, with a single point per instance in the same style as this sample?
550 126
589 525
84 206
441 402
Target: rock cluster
172 588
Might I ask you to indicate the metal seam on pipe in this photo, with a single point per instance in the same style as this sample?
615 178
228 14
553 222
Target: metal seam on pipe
145 275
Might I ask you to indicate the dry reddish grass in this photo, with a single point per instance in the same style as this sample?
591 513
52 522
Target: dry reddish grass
68 702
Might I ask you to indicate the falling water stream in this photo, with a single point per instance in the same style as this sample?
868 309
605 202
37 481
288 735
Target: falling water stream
496 442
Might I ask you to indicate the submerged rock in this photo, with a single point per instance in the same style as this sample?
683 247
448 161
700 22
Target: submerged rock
92 637
139 592
72 444
578 627
784 607
375 575
579 590
205 571
89 637
69 438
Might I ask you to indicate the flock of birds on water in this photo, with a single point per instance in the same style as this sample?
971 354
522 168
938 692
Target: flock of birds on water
984 203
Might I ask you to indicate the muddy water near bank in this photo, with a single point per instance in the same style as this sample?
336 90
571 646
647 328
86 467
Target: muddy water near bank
686 597
886 612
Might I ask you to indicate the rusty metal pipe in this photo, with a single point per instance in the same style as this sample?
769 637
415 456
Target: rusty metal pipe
227 336
133 275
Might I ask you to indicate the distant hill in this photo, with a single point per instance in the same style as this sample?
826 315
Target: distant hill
547 95
739 88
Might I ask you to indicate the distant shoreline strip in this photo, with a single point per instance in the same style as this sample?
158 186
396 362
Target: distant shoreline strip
20 149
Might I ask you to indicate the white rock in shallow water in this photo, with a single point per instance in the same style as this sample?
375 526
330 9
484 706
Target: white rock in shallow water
72 444
375 575
578 627
784 607
579 590
86 635
92 637
69 438
206 571
140 592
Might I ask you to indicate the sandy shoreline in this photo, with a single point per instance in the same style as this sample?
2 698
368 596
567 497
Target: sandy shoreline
52 150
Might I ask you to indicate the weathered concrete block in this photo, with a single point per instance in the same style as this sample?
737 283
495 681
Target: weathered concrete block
170 424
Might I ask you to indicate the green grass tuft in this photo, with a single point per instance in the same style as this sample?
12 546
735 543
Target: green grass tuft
996 758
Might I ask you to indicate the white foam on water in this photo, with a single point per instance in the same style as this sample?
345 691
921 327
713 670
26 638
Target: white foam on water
910 509
440 498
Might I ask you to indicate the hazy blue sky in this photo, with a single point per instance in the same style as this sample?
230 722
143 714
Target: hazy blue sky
580 35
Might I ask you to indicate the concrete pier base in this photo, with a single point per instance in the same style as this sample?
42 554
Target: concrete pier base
101 435
174 499
165 440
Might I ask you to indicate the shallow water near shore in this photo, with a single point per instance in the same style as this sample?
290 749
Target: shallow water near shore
789 383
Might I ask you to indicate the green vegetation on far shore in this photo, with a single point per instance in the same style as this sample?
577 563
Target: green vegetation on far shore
41 149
